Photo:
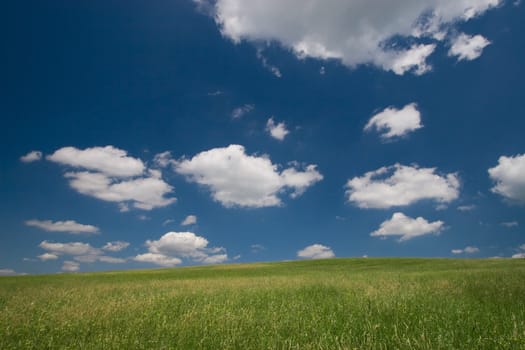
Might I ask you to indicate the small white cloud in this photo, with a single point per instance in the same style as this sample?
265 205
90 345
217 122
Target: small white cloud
519 256
256 248
406 185
32 156
322 71
47 256
466 250
316 251
101 258
108 160
413 59
70 266
277 131
73 248
466 207
189 220
270 67
111 260
396 122
407 228
510 224
8 272
115 246
158 259
241 111
69 226
238 179
468 47
167 222
163 159
172 247
509 176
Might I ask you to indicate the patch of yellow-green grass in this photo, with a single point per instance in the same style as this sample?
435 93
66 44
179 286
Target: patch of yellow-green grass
323 304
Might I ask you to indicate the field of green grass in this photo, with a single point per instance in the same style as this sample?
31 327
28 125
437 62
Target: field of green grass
320 304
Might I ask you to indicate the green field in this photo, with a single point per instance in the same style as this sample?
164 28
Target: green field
320 304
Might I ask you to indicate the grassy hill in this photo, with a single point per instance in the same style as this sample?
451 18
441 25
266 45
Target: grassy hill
319 304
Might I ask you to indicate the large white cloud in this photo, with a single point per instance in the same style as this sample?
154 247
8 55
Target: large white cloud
509 176
355 31
69 226
406 227
173 247
113 176
238 179
468 47
316 251
107 160
405 185
396 122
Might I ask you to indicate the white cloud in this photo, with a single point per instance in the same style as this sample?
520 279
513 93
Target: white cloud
509 176
355 32
519 256
316 251
241 111
468 47
73 248
102 258
69 226
407 227
163 159
32 156
396 122
238 179
270 67
114 177
256 248
277 131
115 246
189 220
172 247
8 272
108 160
47 256
466 250
70 266
466 207
111 260
144 193
510 224
406 185
158 259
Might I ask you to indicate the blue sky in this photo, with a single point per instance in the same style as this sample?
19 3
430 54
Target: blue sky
173 133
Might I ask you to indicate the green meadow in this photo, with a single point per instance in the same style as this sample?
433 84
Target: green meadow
315 304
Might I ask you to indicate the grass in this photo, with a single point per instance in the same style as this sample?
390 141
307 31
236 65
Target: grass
323 304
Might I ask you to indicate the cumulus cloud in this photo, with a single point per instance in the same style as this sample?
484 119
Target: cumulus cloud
518 256
173 247
163 159
238 179
70 266
509 176
393 35
241 111
69 226
406 227
405 185
277 131
396 122
468 47
73 248
115 246
466 250
32 156
47 256
316 251
114 177
189 220
107 160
